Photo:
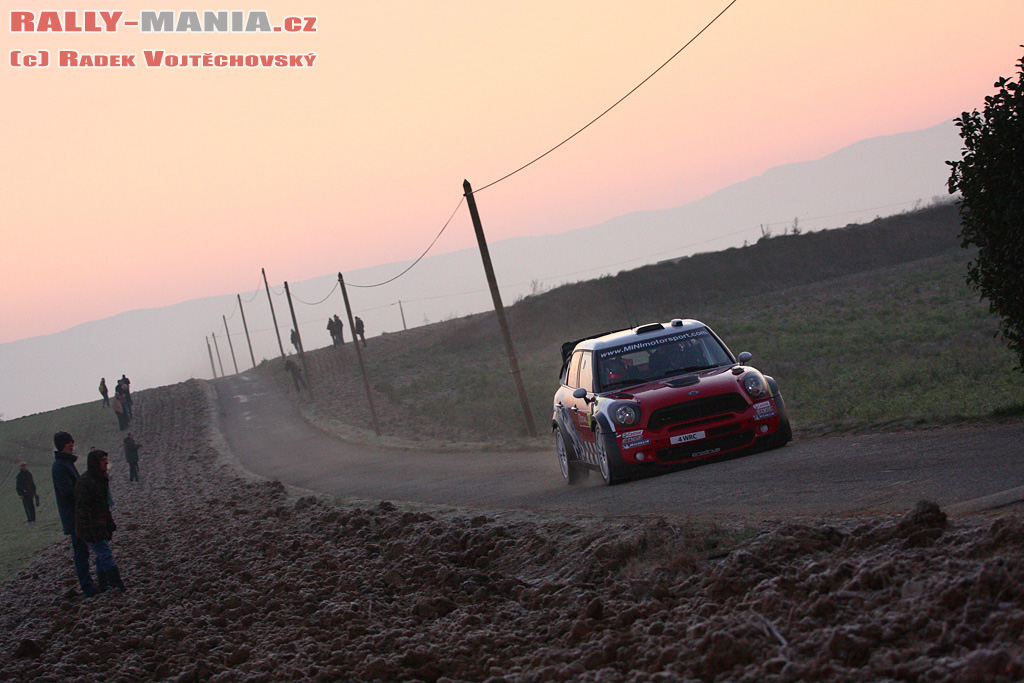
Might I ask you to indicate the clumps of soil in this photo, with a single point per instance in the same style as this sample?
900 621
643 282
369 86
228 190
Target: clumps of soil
235 580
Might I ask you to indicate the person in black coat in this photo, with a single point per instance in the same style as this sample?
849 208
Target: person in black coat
65 476
26 487
93 522
131 454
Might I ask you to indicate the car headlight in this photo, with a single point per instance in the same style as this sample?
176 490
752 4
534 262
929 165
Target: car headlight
625 414
755 385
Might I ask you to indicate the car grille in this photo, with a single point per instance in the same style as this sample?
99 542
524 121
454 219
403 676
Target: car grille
720 445
700 408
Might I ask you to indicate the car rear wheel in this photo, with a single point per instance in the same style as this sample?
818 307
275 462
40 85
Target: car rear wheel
608 457
572 470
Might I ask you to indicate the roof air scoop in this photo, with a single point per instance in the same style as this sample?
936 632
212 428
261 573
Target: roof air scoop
650 327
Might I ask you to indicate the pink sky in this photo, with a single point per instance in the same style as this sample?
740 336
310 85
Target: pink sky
137 188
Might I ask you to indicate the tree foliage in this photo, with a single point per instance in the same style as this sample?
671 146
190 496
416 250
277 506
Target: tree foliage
990 180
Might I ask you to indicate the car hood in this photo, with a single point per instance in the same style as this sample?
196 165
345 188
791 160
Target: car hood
705 383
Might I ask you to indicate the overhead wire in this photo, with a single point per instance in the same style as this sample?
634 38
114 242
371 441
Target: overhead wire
617 102
254 293
425 251
296 297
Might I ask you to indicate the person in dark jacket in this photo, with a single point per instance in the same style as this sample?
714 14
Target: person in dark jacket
122 416
131 454
296 374
65 476
26 487
360 331
339 328
93 522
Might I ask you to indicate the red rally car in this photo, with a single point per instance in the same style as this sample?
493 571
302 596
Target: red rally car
662 394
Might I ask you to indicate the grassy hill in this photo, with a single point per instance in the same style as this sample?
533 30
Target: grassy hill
869 327
865 327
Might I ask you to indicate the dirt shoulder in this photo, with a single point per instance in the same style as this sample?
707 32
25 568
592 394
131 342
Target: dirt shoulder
233 579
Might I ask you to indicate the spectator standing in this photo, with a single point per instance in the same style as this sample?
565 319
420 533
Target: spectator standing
339 327
359 330
103 392
333 331
122 419
65 476
124 384
93 522
26 487
296 371
131 454
296 342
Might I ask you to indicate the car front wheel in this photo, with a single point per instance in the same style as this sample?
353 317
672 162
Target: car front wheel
572 471
608 457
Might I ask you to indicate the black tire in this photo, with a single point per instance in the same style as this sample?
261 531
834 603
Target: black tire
785 433
572 471
612 467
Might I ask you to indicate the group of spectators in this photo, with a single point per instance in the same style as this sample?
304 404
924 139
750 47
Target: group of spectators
84 502
122 401
336 327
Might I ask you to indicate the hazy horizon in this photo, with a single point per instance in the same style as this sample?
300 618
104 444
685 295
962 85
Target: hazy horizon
136 188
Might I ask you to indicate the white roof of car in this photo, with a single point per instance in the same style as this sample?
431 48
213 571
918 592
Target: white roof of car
641 333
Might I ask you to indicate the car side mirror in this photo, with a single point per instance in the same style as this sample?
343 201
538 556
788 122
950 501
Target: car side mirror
579 393
745 357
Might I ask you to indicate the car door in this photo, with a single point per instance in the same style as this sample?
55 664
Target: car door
579 409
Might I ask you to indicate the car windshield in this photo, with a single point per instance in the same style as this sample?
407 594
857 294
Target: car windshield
677 354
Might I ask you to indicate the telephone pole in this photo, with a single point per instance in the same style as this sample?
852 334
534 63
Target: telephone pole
298 336
231 346
359 354
213 368
219 361
499 309
272 316
246 328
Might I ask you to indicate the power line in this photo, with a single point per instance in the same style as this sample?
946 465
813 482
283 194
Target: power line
429 247
617 102
321 300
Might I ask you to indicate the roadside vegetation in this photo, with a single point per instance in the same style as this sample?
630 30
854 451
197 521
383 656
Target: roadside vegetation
870 327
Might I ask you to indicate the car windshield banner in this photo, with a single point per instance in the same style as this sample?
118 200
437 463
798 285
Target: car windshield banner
654 343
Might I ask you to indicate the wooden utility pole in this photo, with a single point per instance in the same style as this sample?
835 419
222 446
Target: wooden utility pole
219 361
272 316
246 328
359 354
213 368
402 311
231 346
298 336
499 309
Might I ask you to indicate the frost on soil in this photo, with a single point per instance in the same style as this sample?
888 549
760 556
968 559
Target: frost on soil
235 580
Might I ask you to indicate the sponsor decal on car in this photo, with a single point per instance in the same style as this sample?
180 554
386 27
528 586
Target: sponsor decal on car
764 410
635 434
685 438
635 444
707 452
637 346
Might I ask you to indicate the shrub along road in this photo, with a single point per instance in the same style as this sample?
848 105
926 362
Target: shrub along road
958 468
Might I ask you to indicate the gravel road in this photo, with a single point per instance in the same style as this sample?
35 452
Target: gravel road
821 477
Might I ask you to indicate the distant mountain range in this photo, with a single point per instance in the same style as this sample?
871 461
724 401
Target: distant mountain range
160 346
